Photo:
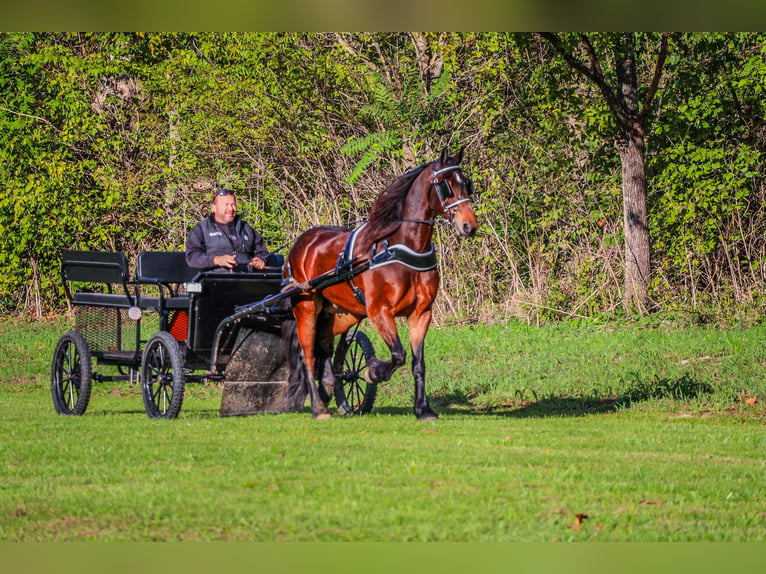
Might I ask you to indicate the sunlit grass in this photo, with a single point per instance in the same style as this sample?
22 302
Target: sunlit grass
546 434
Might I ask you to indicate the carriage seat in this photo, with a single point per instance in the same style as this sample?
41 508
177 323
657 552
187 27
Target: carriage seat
109 268
168 271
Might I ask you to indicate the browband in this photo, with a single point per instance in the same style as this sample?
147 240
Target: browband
444 170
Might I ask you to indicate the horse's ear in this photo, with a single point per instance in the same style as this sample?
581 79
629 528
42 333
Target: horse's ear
444 156
459 156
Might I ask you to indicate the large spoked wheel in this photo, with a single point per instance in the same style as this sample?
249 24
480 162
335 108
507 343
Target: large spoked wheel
162 376
71 375
353 394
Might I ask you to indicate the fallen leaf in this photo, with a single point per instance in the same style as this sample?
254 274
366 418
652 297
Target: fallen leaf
578 521
744 398
648 502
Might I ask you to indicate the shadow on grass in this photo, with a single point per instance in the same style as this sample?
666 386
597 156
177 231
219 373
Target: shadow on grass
684 388
459 402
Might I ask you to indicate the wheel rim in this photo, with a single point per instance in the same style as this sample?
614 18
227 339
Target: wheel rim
353 364
159 377
353 393
69 375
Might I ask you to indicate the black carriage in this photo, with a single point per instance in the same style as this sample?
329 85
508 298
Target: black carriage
167 325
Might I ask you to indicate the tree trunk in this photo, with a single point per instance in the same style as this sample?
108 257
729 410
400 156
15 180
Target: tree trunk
636 223
622 100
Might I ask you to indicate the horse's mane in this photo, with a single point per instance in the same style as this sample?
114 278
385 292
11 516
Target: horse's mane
386 213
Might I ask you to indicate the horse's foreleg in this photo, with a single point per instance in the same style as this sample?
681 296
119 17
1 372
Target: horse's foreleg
418 325
379 370
306 314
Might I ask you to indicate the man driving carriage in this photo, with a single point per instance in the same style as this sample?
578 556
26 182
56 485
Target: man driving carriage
224 241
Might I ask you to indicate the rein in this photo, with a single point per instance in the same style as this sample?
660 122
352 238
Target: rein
426 221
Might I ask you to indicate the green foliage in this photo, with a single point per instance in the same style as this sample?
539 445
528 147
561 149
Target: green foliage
707 203
371 147
115 140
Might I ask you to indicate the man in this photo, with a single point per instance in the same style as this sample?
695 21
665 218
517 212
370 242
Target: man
224 241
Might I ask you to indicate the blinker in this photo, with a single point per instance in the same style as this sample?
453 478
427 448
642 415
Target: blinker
443 189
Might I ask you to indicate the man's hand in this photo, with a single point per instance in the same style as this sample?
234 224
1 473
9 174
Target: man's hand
257 263
227 261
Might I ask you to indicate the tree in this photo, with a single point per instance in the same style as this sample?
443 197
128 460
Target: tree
630 115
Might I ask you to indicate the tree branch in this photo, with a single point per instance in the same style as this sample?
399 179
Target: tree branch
22 114
658 68
593 72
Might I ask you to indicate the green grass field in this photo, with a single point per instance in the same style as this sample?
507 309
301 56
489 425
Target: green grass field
584 433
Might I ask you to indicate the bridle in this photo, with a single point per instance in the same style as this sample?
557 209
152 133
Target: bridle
443 192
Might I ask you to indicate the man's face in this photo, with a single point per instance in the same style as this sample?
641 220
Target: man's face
224 208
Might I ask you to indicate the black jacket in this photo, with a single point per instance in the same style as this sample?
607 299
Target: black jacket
208 239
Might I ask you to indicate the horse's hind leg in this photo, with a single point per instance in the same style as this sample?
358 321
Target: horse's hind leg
323 350
305 312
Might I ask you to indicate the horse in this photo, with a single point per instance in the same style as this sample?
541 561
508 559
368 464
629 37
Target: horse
398 278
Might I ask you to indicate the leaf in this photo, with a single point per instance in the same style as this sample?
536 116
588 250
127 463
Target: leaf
579 520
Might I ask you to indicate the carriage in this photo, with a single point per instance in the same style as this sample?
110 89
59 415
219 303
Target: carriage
331 280
167 325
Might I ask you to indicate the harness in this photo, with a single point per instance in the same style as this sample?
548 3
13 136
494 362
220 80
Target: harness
397 253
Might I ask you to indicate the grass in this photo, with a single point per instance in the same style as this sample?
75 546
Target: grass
594 433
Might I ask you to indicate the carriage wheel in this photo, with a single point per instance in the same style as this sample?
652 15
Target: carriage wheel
162 376
71 375
353 394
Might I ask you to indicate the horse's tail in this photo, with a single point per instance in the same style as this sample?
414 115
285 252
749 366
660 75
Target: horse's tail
297 381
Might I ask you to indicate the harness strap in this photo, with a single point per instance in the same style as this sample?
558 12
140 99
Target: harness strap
346 257
444 170
403 255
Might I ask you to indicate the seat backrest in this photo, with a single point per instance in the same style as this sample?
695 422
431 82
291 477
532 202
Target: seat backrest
275 260
94 266
163 267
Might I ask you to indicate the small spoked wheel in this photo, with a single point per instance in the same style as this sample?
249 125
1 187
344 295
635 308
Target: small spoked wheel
162 376
353 394
71 374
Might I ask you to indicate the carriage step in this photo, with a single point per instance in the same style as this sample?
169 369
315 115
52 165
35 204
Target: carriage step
244 398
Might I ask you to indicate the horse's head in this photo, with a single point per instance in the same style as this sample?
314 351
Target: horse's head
453 191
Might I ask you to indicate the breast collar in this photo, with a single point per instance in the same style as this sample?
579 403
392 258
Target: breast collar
386 255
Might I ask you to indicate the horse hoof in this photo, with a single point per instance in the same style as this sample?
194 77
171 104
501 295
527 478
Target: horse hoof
323 416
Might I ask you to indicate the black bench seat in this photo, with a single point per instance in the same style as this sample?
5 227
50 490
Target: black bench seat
167 271
108 268
117 300
170 303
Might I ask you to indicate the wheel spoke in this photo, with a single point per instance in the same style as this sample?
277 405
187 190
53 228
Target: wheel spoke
69 377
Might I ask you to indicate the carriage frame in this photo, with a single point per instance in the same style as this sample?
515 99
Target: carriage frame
195 322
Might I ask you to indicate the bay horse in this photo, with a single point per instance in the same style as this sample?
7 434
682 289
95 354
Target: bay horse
400 279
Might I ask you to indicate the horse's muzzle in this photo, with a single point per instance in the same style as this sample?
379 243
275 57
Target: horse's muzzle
466 228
